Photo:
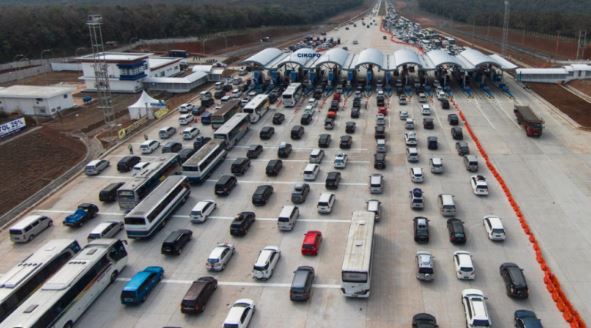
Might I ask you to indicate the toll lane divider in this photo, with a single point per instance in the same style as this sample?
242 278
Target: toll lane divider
569 313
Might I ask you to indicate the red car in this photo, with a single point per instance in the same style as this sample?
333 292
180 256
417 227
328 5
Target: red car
336 96
383 110
311 244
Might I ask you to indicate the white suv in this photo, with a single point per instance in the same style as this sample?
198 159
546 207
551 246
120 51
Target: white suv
200 213
475 309
425 109
340 161
410 138
494 228
265 265
479 185
416 175
464 266
240 314
219 257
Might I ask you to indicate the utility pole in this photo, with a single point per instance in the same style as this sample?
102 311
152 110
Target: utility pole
505 29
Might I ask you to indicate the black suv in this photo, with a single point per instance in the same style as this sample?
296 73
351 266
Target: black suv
284 150
456 133
462 148
432 143
444 103
421 229
176 241
127 163
515 283
355 112
324 140
172 147
278 118
346 142
428 123
254 151
274 167
300 193
379 161
241 223
453 119
455 227
306 119
332 180
262 194
350 127
240 166
267 132
297 132
301 285
424 320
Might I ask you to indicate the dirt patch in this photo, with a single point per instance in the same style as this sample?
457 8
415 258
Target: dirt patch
576 108
48 79
582 85
35 160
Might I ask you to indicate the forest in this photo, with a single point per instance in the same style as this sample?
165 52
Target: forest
543 16
29 27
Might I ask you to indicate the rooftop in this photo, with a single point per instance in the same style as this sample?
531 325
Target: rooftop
159 62
117 57
34 91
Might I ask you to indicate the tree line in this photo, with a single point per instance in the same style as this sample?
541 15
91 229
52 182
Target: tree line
27 30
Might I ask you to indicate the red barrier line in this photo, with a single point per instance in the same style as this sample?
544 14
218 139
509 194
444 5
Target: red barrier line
569 313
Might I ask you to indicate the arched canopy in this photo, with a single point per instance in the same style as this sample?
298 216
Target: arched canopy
477 58
441 57
300 57
371 56
406 57
337 56
263 57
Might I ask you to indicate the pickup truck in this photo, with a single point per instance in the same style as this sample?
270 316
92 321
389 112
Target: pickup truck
532 124
83 213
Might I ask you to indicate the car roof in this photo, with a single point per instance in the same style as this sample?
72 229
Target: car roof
464 258
102 226
217 251
264 256
495 222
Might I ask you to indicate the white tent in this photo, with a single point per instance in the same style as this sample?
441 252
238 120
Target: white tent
145 106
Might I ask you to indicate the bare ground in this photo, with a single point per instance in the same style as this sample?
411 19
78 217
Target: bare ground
576 108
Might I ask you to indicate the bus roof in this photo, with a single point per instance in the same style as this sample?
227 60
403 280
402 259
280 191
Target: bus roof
151 170
256 101
155 196
292 87
231 124
227 106
359 243
206 149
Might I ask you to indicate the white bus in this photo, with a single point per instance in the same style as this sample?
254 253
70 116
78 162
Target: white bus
69 293
153 212
21 281
292 94
356 271
257 107
233 130
201 164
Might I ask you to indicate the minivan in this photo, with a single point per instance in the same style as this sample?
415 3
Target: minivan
127 163
515 283
380 132
108 229
471 163
462 148
109 193
274 167
185 119
202 210
261 195
166 132
376 184
287 217
326 202
332 180
316 156
301 285
412 154
379 161
198 294
225 184
29 227
447 206
176 241
96 166
190 133
311 172
297 132
240 166
147 147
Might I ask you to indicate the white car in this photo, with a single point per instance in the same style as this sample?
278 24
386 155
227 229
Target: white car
316 156
410 138
494 228
219 257
409 124
403 115
475 309
312 102
436 165
139 167
425 109
265 264
464 266
149 146
240 314
479 185
190 133
441 95
425 266
340 161
416 175
200 213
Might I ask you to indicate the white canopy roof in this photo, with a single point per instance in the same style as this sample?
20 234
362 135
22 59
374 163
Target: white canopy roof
146 101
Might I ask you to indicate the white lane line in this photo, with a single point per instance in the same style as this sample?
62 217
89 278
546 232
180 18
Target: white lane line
241 283
293 160
294 182
484 115
140 155
111 177
309 148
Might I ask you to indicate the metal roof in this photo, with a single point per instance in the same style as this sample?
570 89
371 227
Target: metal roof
300 57
503 63
441 57
371 56
337 56
35 91
263 57
407 56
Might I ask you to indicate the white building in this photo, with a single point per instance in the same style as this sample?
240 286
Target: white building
554 74
36 100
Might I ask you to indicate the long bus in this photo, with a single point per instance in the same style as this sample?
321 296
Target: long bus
63 298
233 130
153 212
132 192
225 113
257 107
200 165
21 281
356 270
292 94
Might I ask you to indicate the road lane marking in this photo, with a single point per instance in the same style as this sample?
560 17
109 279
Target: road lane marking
293 160
294 182
309 148
241 283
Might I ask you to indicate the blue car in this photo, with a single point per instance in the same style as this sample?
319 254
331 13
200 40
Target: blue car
83 213
139 287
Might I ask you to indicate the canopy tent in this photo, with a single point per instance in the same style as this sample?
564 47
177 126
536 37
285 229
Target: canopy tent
145 106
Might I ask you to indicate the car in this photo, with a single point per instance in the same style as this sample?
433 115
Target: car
350 127
332 180
463 265
329 123
240 166
219 257
186 108
428 123
201 211
416 175
266 262
240 314
456 133
172 147
380 119
190 133
403 115
421 229
355 112
479 185
242 223
425 270
306 119
402 99
444 103
425 109
409 124
300 193
84 212
284 150
424 320
514 279
126 163
150 276
410 138
416 198
432 143
383 111
346 142
453 119
297 132
254 151
316 156
311 242
379 161
185 153
456 231
266 132
301 285
375 206
95 167
176 241
324 140
278 118
526 319
494 228
313 102
436 164
166 132
261 195
273 167
474 303
200 141
340 160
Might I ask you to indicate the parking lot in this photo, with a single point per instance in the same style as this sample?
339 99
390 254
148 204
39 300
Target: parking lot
396 294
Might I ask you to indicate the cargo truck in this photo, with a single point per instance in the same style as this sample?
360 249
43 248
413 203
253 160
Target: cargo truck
532 124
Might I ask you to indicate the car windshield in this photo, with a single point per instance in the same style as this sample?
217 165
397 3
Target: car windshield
465 269
426 270
498 231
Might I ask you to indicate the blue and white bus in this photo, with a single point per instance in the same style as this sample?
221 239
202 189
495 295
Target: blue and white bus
233 130
200 165
153 212
257 107
292 94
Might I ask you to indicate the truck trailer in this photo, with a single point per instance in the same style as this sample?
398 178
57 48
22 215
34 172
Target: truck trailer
532 124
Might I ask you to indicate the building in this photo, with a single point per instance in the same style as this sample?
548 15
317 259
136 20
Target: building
214 72
554 74
176 84
36 100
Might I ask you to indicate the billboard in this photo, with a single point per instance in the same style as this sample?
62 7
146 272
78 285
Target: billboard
12 127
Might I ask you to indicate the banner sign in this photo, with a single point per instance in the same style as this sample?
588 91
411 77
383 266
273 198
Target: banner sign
12 127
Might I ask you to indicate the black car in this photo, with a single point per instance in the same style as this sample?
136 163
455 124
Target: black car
350 127
284 150
306 119
300 193
127 163
346 142
301 285
332 180
172 147
453 119
421 229
254 151
328 123
267 132
457 234
432 143
185 153
274 167
241 223
261 195
526 319
380 132
200 141
318 93
198 110
240 166
297 132
379 161
278 118
324 140
456 133
515 283
462 148
219 94
355 112
424 320
225 185
428 123
109 193
176 241
444 103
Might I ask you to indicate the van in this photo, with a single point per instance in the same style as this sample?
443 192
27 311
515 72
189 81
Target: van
471 163
127 163
301 285
311 243
436 164
108 229
325 203
27 228
225 184
202 210
316 156
176 241
287 217
166 132
190 133
447 206
375 206
198 294
109 193
240 166
381 145
185 119
96 166
412 154
376 184
149 146
311 172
